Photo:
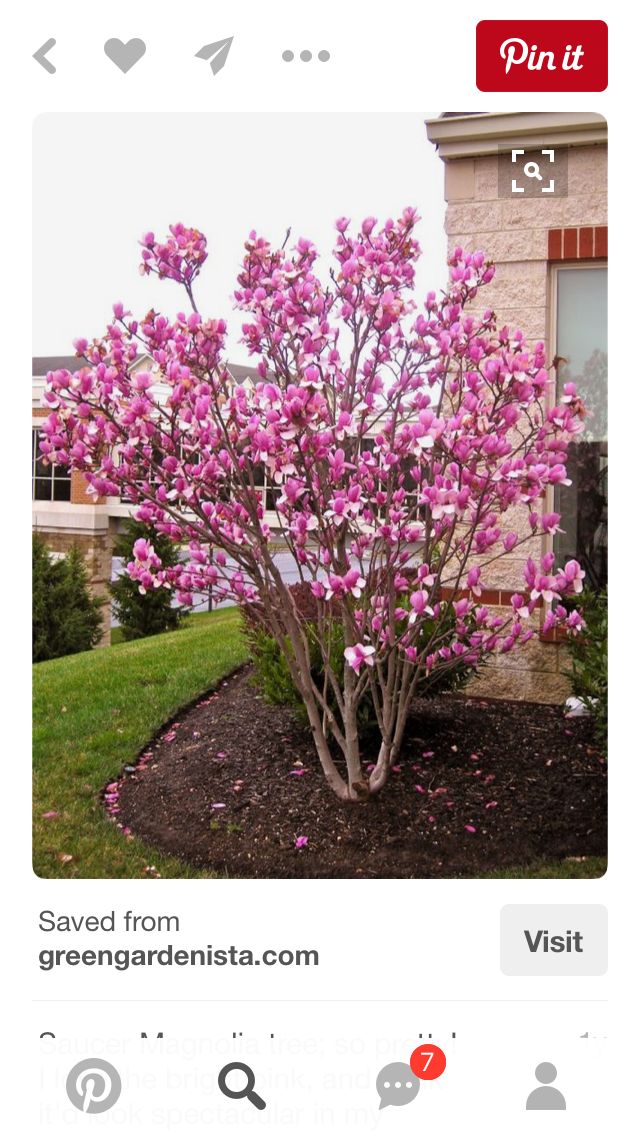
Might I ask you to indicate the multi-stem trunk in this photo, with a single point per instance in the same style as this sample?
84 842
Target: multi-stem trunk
395 712
358 783
342 726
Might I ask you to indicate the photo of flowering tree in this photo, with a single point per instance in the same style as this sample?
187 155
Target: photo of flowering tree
409 443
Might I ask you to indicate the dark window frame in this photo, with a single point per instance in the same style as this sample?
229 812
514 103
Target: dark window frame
48 482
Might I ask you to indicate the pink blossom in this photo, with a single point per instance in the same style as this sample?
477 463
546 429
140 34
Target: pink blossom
419 603
572 576
473 581
358 655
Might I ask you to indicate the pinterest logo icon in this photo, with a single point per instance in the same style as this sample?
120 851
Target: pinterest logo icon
93 1085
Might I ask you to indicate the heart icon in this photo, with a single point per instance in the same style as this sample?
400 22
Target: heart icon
124 55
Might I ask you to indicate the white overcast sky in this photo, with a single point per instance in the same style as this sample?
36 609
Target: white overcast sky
101 181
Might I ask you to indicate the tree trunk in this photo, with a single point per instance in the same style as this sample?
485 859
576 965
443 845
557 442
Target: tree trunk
389 751
358 783
380 775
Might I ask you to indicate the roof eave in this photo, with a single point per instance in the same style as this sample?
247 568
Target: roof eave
475 135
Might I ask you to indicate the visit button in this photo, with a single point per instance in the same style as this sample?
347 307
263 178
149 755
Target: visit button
555 938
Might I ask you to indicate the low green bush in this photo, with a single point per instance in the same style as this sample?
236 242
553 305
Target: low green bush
589 660
66 617
274 678
141 614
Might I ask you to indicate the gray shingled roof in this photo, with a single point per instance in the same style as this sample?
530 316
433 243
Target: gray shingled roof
41 364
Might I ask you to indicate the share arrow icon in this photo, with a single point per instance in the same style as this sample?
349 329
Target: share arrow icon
41 53
216 52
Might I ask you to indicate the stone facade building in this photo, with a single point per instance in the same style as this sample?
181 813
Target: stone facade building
550 250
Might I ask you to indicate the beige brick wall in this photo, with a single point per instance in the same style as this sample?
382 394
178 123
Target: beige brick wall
515 234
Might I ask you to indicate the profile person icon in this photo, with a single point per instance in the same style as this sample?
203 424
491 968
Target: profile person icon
545 1097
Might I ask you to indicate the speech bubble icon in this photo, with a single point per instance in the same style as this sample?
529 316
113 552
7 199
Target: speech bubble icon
396 1084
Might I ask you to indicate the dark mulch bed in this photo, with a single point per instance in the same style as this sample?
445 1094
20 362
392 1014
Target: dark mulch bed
479 786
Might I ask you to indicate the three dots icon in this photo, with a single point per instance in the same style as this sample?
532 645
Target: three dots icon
306 56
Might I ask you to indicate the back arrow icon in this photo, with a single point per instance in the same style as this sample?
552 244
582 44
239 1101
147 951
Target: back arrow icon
40 56
218 50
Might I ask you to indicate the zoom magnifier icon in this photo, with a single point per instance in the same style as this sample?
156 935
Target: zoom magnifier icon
93 1085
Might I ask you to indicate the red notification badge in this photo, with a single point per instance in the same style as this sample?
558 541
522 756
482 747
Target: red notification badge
428 1062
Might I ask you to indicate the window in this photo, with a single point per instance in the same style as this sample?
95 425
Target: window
48 482
269 491
581 344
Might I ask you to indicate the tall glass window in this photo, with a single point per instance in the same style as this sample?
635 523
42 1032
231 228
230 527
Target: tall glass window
581 344
48 482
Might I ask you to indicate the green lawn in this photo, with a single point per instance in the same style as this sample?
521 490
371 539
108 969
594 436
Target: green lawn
575 868
93 712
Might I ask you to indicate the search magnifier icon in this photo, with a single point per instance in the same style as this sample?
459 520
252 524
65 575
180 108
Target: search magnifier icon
248 1089
532 170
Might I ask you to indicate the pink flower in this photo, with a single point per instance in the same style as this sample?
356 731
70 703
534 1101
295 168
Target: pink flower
420 605
142 550
473 581
572 576
550 523
50 815
301 841
469 828
358 655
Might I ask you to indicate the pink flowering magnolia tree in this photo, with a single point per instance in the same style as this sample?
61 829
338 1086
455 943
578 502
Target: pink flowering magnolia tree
402 440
